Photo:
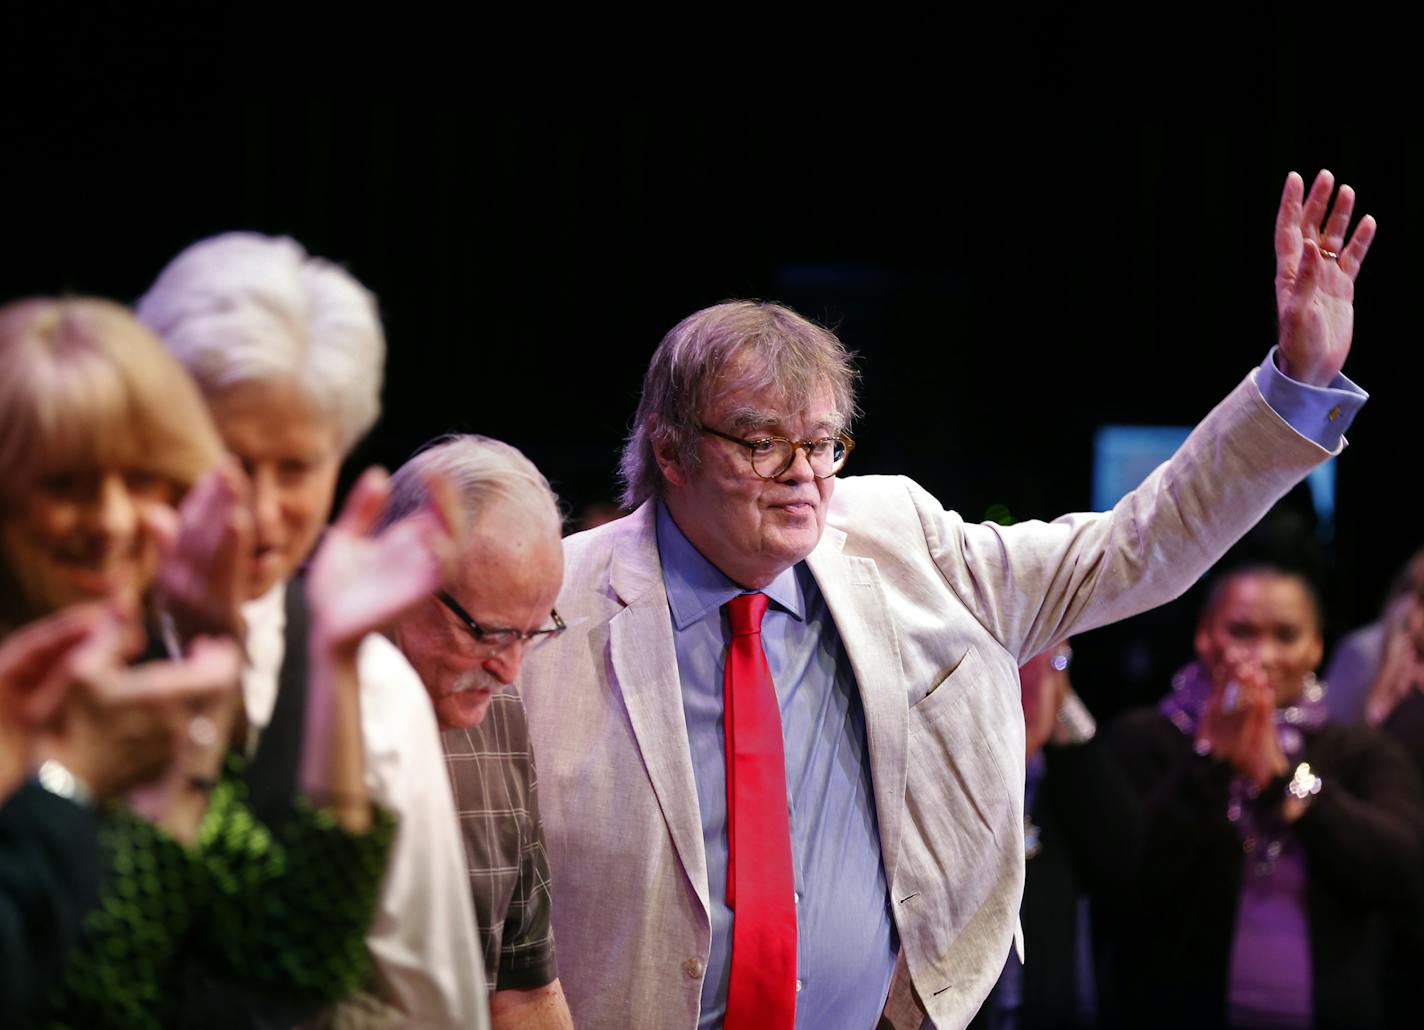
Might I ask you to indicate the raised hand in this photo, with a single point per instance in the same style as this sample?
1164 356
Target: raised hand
360 581
205 555
1315 277
1402 665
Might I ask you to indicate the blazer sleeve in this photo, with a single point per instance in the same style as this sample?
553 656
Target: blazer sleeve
1035 583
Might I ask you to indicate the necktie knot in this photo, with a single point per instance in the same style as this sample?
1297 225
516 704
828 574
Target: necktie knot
745 612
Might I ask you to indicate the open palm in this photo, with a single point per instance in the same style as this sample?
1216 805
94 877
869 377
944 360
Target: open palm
1315 277
360 580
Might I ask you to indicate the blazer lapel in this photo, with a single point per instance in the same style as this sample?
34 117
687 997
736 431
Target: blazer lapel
645 674
856 599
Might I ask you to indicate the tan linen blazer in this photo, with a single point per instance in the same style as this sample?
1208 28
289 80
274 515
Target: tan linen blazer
936 615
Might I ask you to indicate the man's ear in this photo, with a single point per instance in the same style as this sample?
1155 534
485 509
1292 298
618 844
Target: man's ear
665 451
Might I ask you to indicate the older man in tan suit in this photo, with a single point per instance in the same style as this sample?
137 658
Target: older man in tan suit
870 639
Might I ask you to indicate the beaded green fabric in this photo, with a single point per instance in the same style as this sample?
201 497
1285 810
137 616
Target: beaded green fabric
286 913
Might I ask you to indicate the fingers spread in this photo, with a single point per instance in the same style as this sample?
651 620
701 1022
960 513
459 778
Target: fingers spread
97 651
1288 221
441 502
211 667
237 510
1316 204
416 549
437 539
368 498
161 523
1333 237
1353 256
206 514
27 655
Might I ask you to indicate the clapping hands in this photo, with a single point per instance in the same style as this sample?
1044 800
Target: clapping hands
1238 725
1402 665
67 693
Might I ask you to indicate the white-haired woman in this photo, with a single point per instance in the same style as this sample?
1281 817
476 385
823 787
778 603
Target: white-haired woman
104 433
288 350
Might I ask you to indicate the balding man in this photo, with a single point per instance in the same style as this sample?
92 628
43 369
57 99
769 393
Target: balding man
467 643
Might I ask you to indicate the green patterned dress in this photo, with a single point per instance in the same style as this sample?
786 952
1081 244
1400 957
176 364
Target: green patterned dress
285 912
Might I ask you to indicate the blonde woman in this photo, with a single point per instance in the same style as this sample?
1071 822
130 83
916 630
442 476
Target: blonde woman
104 433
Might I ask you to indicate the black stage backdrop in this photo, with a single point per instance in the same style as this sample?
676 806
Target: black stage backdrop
1014 266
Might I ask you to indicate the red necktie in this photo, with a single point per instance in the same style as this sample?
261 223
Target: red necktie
760 884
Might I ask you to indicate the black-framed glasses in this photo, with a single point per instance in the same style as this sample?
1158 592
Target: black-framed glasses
499 639
771 456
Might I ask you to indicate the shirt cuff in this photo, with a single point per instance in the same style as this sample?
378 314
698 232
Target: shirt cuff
1319 413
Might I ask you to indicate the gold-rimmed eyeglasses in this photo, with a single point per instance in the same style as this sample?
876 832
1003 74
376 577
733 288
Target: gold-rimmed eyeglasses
771 456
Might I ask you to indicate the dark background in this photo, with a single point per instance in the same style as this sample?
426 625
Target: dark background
1018 251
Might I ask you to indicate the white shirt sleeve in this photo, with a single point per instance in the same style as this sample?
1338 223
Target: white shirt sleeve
428 959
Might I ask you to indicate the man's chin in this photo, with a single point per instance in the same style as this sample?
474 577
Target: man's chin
465 709
794 546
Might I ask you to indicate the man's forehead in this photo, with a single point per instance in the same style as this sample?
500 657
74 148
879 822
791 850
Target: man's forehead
504 569
767 407
508 537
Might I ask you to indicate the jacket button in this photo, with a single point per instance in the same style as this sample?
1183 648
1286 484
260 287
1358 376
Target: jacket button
693 966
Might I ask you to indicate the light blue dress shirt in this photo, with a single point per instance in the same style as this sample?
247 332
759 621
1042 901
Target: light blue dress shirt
846 943
846 940
1319 413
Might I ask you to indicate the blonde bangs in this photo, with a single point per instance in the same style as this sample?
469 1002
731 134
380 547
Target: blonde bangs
84 385
170 432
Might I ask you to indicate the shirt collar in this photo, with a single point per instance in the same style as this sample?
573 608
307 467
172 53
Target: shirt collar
696 587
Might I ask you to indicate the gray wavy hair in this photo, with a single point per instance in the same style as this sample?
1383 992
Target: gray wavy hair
242 306
735 346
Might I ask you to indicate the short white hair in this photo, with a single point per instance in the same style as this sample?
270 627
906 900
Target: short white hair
483 474
241 307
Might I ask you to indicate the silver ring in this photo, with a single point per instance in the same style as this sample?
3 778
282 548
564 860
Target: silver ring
202 731
1328 255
